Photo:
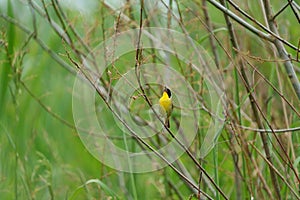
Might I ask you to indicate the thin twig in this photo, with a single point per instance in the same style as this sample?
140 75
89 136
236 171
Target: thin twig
281 50
277 172
293 9
168 130
47 109
254 105
281 10
138 138
274 88
211 37
284 130
270 37
41 43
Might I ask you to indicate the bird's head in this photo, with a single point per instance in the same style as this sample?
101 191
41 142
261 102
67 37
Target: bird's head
168 91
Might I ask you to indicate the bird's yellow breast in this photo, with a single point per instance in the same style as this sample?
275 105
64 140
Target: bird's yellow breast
166 103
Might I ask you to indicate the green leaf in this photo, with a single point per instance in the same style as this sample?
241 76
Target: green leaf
105 188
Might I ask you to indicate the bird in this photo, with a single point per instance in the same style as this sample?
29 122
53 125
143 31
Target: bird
166 105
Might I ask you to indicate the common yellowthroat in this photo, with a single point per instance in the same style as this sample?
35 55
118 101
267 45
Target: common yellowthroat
166 105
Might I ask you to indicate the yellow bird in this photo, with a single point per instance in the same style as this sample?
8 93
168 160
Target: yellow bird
166 105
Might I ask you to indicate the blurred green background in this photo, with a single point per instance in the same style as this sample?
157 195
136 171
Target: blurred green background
41 154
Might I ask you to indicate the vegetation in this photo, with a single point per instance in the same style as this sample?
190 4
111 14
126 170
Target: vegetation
80 83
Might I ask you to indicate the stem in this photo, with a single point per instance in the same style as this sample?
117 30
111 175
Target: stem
253 102
281 50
